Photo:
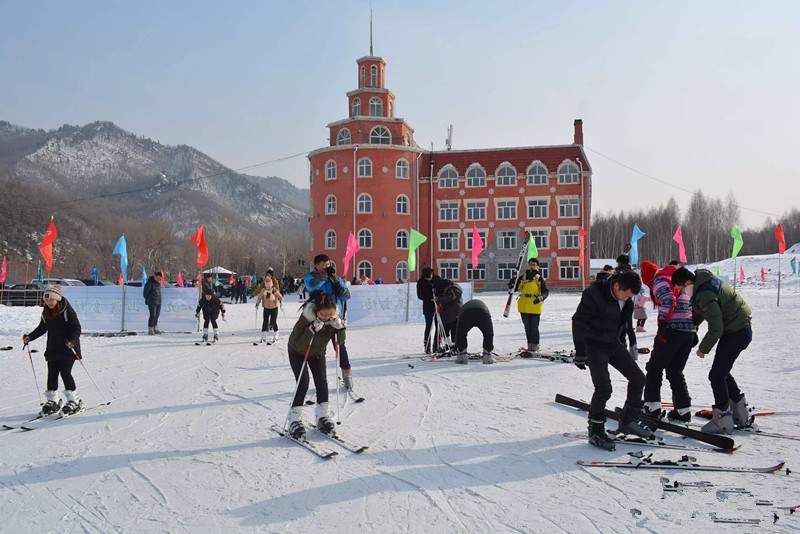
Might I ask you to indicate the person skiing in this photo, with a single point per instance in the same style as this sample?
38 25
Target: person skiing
152 299
473 314
533 291
270 276
63 329
315 328
324 278
211 307
449 300
640 309
606 307
270 299
425 287
729 328
676 336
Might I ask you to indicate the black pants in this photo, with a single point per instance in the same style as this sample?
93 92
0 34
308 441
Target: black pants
620 359
63 368
430 321
670 357
211 319
468 320
270 321
531 323
344 359
449 332
640 322
317 366
155 311
728 349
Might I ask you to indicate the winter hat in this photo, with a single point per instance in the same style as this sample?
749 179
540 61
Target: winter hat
53 293
363 276
268 283
649 270
270 270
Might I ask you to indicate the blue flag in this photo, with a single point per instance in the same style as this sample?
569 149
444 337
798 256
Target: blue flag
94 274
144 276
793 263
121 248
637 235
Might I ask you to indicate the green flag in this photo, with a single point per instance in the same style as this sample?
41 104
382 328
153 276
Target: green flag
533 252
39 274
737 240
216 280
718 273
416 240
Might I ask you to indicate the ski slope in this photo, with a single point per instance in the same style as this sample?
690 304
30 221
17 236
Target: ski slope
185 447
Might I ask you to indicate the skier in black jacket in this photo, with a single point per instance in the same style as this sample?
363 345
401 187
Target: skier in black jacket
211 306
425 294
606 308
63 329
152 298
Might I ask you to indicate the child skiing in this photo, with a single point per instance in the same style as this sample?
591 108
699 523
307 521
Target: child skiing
63 329
307 343
211 306
639 310
533 291
270 299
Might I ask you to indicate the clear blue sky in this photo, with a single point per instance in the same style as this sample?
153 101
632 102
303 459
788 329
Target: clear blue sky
698 94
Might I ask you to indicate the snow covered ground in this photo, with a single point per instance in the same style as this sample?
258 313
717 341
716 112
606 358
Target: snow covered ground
185 446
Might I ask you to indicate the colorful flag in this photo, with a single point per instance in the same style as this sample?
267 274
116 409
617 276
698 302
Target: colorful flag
121 248
763 275
94 274
737 241
636 236
231 280
718 273
144 276
582 236
741 274
351 250
216 279
163 282
121 279
3 271
199 239
180 280
678 238
780 238
477 246
533 252
39 275
199 281
793 263
416 240
47 244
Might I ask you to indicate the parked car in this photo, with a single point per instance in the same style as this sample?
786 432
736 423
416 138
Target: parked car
22 295
90 282
134 283
62 281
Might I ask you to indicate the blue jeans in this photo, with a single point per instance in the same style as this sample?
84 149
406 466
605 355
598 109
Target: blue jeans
531 322
155 311
728 349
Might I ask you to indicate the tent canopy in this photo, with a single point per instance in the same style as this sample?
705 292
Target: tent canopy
218 270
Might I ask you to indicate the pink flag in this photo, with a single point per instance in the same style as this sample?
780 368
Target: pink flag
352 248
678 238
741 274
3 271
477 246
582 237
180 280
781 240
763 275
199 280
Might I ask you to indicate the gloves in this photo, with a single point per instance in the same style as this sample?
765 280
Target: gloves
256 305
197 315
511 283
695 339
538 299
634 351
580 358
336 323
661 334
316 326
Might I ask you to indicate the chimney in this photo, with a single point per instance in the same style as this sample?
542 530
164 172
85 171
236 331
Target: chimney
578 132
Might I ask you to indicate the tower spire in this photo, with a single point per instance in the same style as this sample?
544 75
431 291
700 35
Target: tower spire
370 31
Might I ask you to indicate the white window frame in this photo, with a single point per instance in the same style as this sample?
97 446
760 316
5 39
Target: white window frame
401 240
568 269
401 271
402 199
356 107
566 174
544 269
508 211
330 240
569 207
446 182
330 170
506 239
506 270
476 176
448 240
375 107
449 269
401 169
483 232
363 76
343 138
365 238
331 205
476 274
541 237
569 238
532 178
531 213
364 268
503 175
365 168
449 206
380 135
364 203
477 204
373 76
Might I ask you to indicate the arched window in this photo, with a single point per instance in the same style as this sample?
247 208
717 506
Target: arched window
364 238
356 107
375 107
364 168
380 136
448 177
568 174
401 169
364 203
373 79
330 170
330 205
402 240
476 177
330 239
401 272
402 205
507 175
537 175
365 269
363 72
344 137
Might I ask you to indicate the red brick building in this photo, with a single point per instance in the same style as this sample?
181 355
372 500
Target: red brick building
505 192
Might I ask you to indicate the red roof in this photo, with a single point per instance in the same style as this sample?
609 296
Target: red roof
490 159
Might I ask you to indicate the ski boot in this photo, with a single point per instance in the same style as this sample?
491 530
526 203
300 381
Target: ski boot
275 336
347 379
680 415
741 415
51 406
156 331
487 357
598 436
205 338
652 410
151 331
296 428
73 404
324 423
721 422
463 357
216 336
630 424
263 337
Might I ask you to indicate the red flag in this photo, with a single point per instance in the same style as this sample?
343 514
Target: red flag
763 275
163 283
780 238
47 244
121 281
3 271
741 274
582 236
180 280
199 239
231 280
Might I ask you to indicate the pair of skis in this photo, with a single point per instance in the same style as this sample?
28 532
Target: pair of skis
658 443
316 449
638 460
44 420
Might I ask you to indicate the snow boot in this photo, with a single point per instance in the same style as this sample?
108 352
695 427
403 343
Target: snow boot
263 337
151 331
275 336
652 410
216 335
640 329
53 403
463 357
205 335
157 331
741 415
296 427
598 436
324 423
487 357
630 424
347 379
681 415
721 422
73 404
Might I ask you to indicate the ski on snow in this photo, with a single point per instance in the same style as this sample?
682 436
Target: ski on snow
339 440
31 420
723 442
319 451
640 461
635 441
44 421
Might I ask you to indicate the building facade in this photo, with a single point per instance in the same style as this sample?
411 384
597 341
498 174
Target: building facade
374 181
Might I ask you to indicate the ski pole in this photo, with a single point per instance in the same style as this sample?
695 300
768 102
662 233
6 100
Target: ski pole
198 322
90 375
297 383
338 383
34 372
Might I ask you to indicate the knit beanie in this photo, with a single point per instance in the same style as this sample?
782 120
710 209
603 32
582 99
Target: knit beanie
53 292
